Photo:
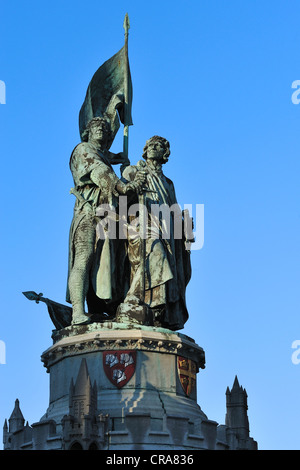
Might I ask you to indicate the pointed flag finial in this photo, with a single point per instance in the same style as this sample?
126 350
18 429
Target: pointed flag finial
31 295
126 24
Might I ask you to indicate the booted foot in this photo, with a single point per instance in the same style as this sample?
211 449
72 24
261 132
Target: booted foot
81 320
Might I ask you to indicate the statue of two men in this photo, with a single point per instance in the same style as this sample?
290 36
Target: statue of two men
111 274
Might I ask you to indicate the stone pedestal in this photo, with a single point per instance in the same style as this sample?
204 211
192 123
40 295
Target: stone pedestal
145 379
117 386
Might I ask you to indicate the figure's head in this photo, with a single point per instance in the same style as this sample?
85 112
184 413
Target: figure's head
157 148
97 130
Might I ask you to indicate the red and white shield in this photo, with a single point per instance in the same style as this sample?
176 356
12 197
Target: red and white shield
119 366
187 371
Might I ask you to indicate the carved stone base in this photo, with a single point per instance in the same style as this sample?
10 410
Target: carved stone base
145 379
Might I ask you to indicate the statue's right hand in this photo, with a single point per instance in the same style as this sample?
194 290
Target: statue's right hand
137 183
140 178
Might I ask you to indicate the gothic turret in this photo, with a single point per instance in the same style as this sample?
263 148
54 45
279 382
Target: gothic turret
15 423
236 421
16 420
83 427
236 404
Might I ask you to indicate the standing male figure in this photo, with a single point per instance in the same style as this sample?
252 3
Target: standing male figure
92 272
159 277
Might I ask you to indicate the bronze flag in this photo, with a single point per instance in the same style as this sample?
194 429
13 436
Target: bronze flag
105 96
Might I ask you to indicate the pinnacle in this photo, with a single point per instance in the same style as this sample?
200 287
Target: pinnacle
17 413
236 383
83 379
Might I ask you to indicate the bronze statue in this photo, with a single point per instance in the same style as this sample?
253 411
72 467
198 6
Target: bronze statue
160 263
141 277
90 277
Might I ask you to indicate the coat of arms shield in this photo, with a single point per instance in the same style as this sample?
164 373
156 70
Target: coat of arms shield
119 366
187 371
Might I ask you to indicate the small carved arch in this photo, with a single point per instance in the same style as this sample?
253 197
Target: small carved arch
76 446
93 446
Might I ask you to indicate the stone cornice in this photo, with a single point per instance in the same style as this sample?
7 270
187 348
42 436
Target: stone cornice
84 339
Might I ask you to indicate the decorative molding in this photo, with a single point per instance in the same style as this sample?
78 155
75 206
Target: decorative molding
104 339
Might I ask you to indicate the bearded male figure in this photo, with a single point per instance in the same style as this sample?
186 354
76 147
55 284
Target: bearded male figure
95 265
159 280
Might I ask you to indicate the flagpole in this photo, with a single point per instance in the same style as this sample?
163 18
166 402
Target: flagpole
126 27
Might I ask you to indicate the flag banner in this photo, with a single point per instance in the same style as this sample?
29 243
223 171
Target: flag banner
105 96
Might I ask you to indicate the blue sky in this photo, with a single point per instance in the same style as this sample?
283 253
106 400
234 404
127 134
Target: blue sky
214 78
